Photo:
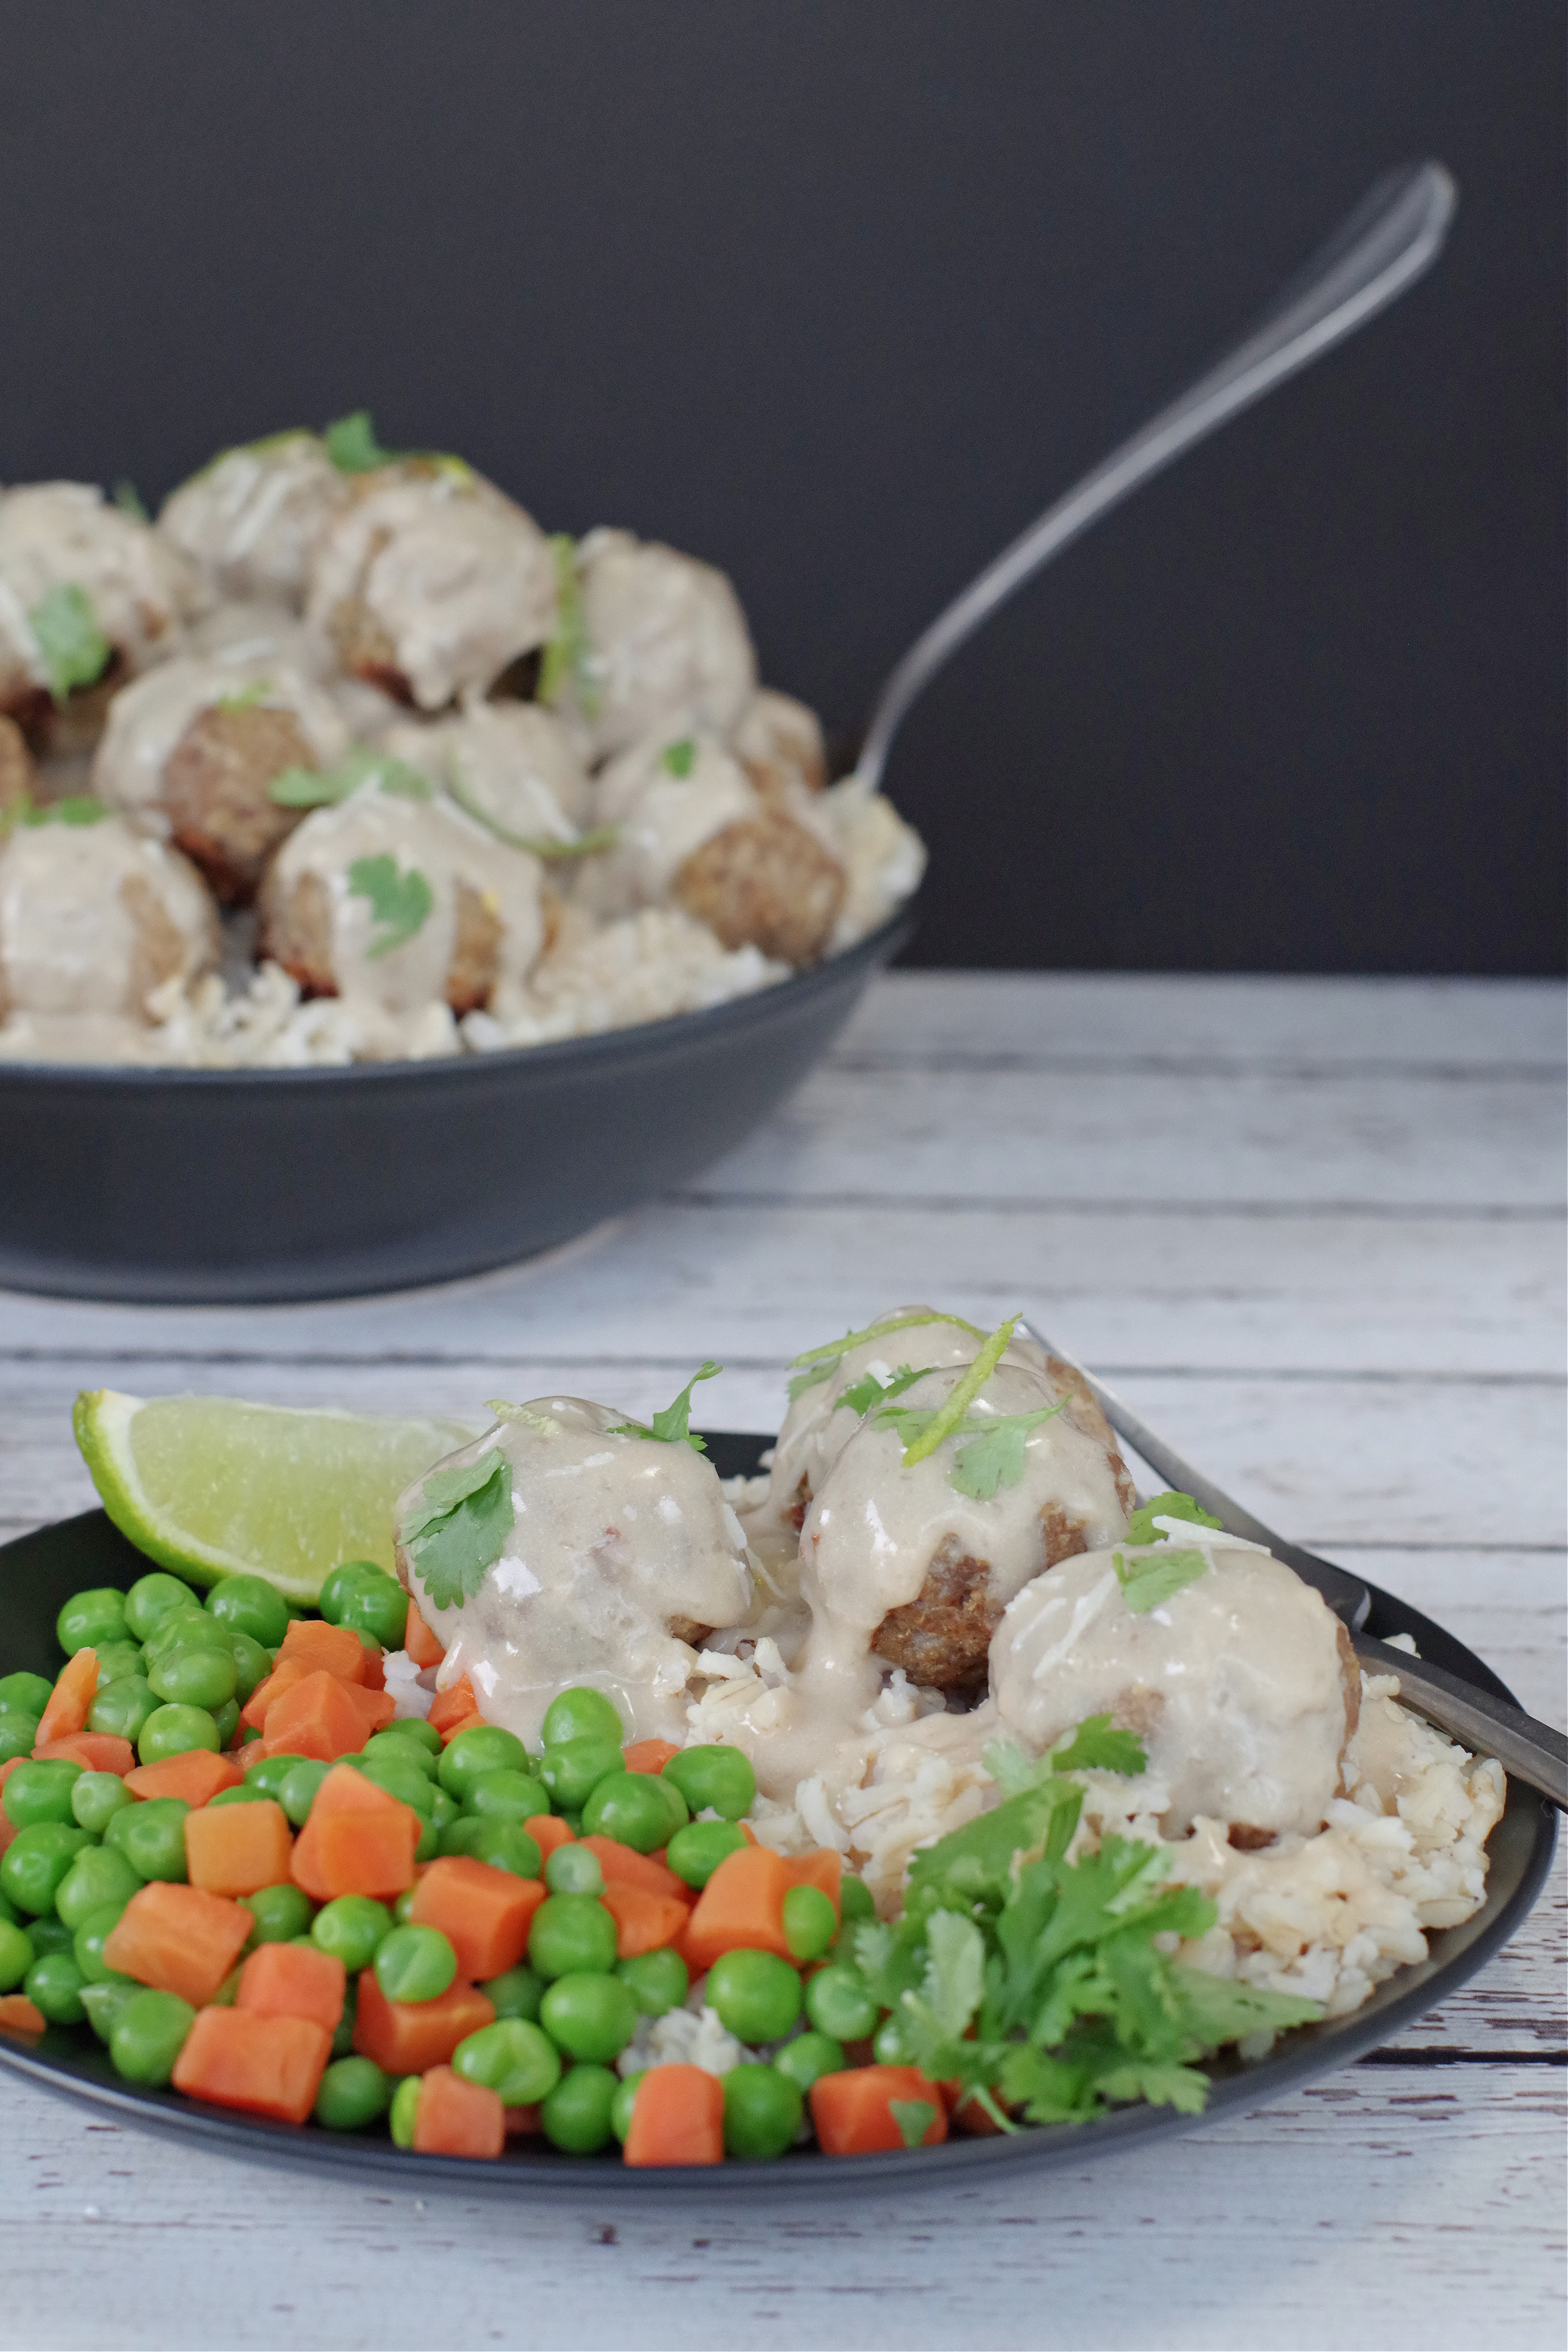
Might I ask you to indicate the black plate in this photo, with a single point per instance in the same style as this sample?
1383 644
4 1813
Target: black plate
39 1572
214 1186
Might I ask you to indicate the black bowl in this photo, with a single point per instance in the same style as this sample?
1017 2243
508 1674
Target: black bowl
212 1186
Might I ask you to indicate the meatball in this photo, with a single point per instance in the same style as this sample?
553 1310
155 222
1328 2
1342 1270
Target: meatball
779 742
88 596
259 633
884 858
765 882
195 749
94 917
1240 1684
666 646
254 518
431 582
18 777
511 764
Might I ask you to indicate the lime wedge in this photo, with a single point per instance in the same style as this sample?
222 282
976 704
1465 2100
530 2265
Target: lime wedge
210 1487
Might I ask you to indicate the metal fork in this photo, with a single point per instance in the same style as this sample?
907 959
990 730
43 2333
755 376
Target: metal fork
1529 1750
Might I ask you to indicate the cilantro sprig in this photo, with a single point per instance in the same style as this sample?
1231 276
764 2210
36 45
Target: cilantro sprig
568 656
1141 1528
993 1456
457 1528
679 759
672 1426
1146 1582
77 808
127 499
861 1394
74 649
814 1376
353 447
400 901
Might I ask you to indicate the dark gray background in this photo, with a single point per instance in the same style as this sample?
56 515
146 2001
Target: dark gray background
839 296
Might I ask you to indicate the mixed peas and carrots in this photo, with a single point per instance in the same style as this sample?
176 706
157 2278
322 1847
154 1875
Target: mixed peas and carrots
223 1852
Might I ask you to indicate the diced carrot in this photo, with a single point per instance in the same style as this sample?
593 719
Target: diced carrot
267 2065
419 1641
484 1913
291 1980
648 1755
823 1870
327 1649
234 1848
465 1723
317 1717
282 1678
95 1752
177 1939
20 2015
407 2037
458 2118
548 1831
376 1674
376 1708
677 2117
197 1776
623 1865
643 1922
741 1908
449 1707
65 1710
854 2114
521 2122
358 1840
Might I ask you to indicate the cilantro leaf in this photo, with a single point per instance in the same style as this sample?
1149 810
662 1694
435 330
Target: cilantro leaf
680 758
568 656
353 447
951 1412
861 1394
399 901
671 1427
977 1859
955 1971
882 1331
995 1458
457 1528
1146 1582
1097 1746
322 787
814 1374
127 499
74 648
247 698
78 808
914 2118
1141 1528
1182 2087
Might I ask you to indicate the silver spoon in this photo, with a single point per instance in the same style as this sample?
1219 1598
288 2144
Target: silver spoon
1529 1750
1390 240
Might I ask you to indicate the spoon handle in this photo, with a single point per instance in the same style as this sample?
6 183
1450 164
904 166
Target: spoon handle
1392 238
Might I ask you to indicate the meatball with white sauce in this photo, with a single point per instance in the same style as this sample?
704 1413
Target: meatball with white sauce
511 764
622 1553
666 645
431 582
779 742
1242 1685
254 518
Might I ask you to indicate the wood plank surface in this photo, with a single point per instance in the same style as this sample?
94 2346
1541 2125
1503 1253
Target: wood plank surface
1313 1229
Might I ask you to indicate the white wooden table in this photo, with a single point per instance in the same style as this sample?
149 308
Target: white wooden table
1314 1230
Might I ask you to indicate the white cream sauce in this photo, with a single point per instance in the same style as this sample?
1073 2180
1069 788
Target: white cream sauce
257 632
613 1536
254 519
780 742
513 764
660 819
76 903
669 648
148 717
65 534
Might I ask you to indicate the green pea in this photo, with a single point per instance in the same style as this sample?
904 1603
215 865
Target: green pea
403 2117
757 1995
576 2116
414 1727
149 2035
368 1597
90 1618
416 1964
428 1845
97 1876
297 1791
228 1992
811 2056
16 1955
226 1718
40 1792
574 1869
592 2017
252 1664
444 1809
37 1859
25 1693
152 1836
516 1994
505 1846
630 1807
268 1773
624 2102
569 1934
175 1730
343 2032
50 1934
123 1708
483 1748
762 2110
396 1743
351 1928
87 1943
353 2093
54 1984
105 2003
404 1781
118 1659
246 1794
855 1900
151 1598
657 1981
182 1631
811 1921
9 1911
716 1777
403 1908
460 1836
194 1678
573 1769
512 2057
281 1913
249 1605
582 1713
18 1735
512 1796
839 2002
695 1853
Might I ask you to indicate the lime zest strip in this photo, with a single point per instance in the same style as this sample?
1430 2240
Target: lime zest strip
881 1332
947 1416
